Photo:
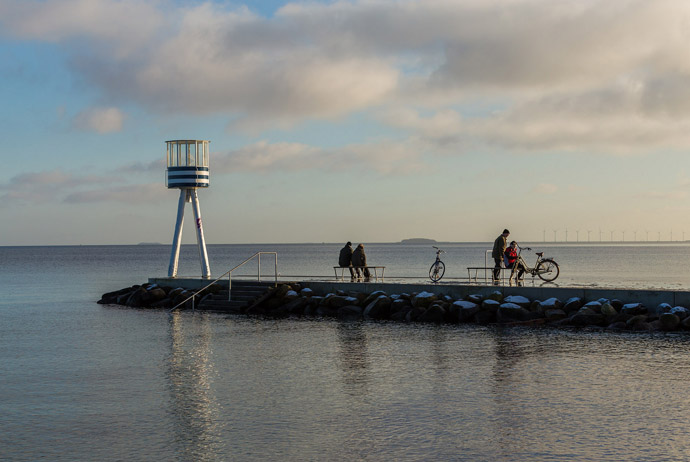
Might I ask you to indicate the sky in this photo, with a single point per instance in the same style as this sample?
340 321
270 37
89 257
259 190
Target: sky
361 120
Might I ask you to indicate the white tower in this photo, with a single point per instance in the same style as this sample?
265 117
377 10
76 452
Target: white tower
187 171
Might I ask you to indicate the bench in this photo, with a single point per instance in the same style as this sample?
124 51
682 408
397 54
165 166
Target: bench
343 268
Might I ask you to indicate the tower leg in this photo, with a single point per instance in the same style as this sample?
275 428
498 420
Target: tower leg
203 256
175 253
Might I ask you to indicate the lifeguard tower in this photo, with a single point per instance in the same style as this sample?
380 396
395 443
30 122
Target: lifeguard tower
187 171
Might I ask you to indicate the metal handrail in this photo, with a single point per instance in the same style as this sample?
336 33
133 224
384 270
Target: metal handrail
229 274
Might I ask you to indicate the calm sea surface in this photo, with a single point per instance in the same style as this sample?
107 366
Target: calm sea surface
81 381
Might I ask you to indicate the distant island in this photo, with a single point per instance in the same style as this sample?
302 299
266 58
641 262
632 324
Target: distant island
149 243
418 240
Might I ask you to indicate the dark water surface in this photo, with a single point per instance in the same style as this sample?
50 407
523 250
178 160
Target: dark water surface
81 381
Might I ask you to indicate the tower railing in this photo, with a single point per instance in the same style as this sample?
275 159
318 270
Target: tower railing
228 273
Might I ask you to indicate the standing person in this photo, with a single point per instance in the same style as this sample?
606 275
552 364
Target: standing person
345 258
359 258
500 245
511 255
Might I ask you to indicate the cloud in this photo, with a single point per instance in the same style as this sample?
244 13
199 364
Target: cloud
46 186
570 75
384 157
100 120
59 186
128 194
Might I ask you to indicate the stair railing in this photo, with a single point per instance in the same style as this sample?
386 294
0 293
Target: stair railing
258 271
229 274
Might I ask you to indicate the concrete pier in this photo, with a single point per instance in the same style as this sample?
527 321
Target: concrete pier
649 298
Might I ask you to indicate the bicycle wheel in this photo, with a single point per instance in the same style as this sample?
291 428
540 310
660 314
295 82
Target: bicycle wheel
548 270
436 271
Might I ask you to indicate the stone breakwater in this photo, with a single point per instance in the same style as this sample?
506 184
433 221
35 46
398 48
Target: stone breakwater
154 296
288 300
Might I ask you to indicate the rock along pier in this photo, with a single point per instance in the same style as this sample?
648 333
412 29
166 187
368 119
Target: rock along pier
615 309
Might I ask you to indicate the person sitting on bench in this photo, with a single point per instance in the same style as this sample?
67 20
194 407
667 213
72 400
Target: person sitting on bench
360 259
510 256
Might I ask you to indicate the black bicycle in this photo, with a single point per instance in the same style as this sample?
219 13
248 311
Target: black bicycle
438 268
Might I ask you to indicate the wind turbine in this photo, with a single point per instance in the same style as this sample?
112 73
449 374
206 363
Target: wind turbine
623 234
600 233
555 232
611 236
588 231
566 234
635 233
578 234
544 235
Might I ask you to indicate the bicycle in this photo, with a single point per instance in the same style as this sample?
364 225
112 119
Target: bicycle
546 268
438 268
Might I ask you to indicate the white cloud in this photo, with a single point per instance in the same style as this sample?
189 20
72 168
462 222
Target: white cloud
100 120
128 194
612 75
386 157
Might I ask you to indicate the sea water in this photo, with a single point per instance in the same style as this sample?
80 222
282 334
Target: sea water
81 381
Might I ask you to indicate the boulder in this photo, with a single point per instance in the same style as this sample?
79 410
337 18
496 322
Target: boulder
475 298
661 308
350 313
290 296
572 304
136 298
495 295
400 305
511 312
372 296
434 314
490 305
555 314
681 312
550 304
594 306
338 301
423 299
378 308
669 321
616 326
635 320
518 300
634 309
282 290
587 317
306 292
608 310
617 304
685 323
463 311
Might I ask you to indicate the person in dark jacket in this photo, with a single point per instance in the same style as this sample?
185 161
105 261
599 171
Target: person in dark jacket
345 258
360 259
500 245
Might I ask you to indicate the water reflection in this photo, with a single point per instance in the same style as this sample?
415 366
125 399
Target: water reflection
193 407
354 361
